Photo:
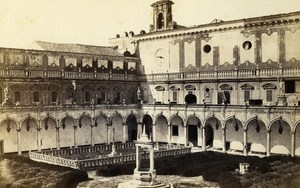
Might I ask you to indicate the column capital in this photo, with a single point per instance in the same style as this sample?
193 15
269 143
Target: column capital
75 126
245 129
38 129
57 127
293 132
18 130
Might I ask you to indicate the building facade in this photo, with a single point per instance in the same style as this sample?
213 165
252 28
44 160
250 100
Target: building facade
226 85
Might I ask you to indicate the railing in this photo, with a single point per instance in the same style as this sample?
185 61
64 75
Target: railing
104 160
88 149
39 157
201 75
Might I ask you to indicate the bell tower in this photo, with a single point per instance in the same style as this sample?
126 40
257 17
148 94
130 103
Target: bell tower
162 16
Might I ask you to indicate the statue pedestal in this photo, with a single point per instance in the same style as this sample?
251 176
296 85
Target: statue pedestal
113 152
282 100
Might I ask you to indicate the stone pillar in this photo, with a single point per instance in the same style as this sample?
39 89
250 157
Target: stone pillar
92 133
154 132
203 139
108 133
137 160
268 142
124 132
185 135
57 138
19 141
224 139
140 129
75 133
293 144
39 136
245 152
151 159
169 134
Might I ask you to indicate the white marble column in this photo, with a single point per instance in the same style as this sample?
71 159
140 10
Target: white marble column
124 132
39 136
19 141
224 139
268 142
203 139
151 160
245 152
154 132
185 135
169 134
57 138
108 133
137 160
293 144
75 133
92 133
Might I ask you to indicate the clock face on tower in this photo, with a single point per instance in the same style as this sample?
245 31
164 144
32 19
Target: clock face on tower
160 57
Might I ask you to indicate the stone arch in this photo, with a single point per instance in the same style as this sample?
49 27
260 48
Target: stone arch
8 132
148 122
280 133
256 135
177 128
190 98
84 130
234 133
132 128
297 137
28 133
193 124
213 132
161 128
66 131
116 121
100 131
48 132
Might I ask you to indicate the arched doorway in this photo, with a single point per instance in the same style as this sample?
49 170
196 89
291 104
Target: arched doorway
234 134
280 137
131 122
8 132
193 125
209 136
190 99
148 122
29 134
160 21
162 129
66 132
101 130
256 136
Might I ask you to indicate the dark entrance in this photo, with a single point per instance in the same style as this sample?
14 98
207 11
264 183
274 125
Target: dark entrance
1 147
132 128
190 99
147 122
209 135
193 134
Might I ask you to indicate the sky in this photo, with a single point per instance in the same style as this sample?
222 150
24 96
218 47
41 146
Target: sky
93 22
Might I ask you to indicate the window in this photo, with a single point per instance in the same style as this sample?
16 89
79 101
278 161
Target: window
36 96
224 97
87 97
174 95
289 86
207 48
17 96
175 130
247 45
246 95
160 21
102 96
54 96
269 95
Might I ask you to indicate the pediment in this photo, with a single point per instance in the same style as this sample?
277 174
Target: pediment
174 88
190 87
269 86
247 87
225 87
160 88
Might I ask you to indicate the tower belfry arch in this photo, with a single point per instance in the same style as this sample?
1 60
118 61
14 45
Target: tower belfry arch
162 16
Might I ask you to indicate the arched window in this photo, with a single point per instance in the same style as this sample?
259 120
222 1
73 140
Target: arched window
160 21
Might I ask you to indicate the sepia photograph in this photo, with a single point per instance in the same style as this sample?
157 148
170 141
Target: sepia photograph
149 93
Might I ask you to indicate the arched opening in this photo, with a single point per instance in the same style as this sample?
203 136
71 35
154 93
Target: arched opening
131 122
84 131
48 129
209 136
101 130
162 129
213 133
280 137
8 132
160 21
234 134
148 122
66 132
297 140
190 99
176 129
256 136
116 133
193 124
29 134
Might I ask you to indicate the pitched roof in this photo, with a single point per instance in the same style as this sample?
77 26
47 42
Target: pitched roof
77 48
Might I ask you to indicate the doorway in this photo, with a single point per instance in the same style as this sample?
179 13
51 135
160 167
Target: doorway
190 99
209 136
193 134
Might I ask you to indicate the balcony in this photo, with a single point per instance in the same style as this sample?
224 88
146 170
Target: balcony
24 73
224 74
